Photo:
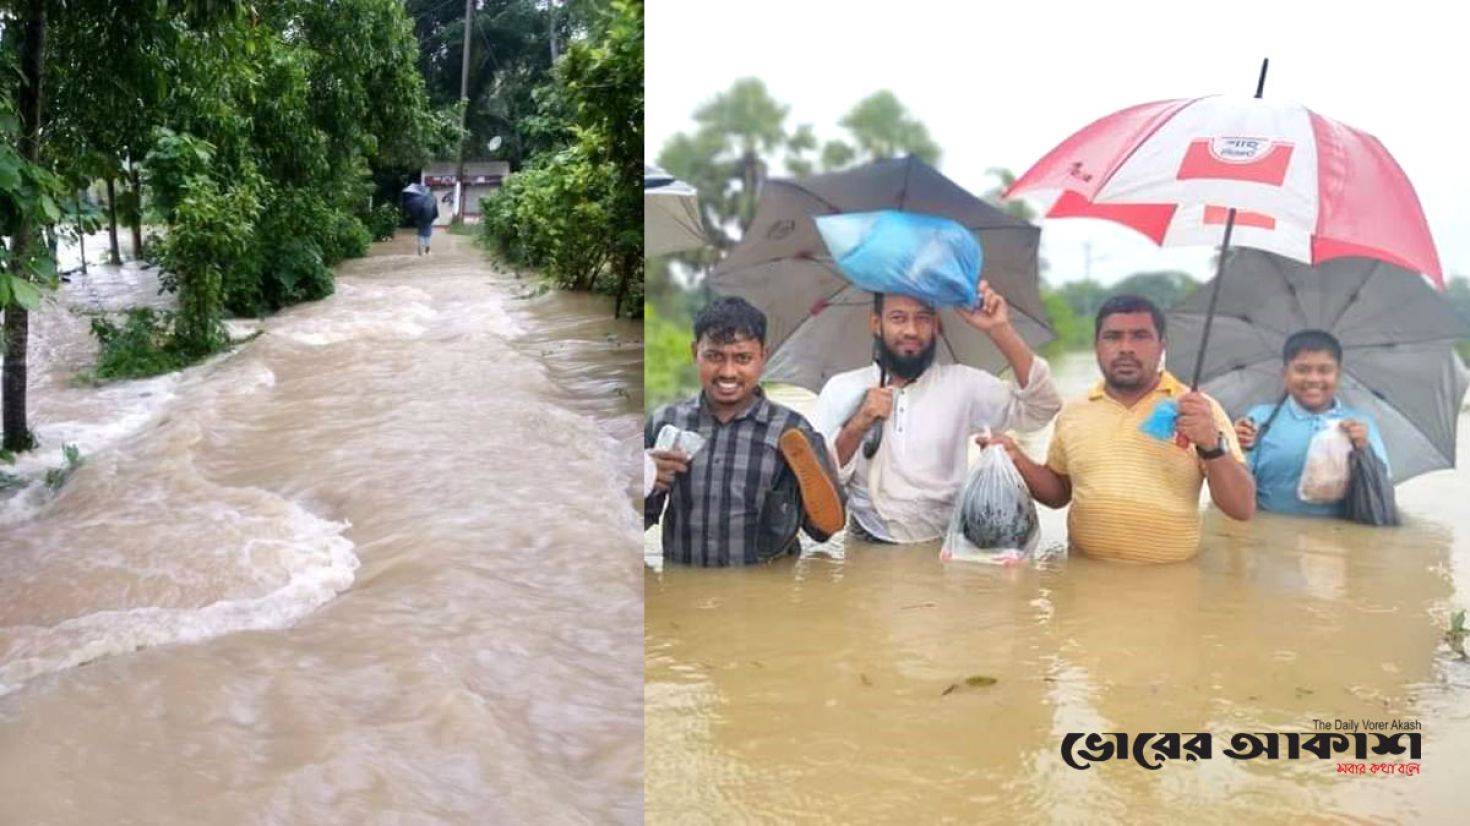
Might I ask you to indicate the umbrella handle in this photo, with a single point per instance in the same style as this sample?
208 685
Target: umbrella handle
873 439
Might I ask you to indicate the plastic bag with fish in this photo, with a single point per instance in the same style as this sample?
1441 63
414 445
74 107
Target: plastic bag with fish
994 517
1326 474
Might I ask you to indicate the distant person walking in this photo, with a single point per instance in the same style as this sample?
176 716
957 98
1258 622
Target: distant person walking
422 209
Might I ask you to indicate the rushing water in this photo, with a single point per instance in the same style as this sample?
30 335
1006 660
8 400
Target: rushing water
818 690
379 564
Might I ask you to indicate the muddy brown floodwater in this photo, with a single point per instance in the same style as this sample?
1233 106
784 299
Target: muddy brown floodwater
815 690
380 564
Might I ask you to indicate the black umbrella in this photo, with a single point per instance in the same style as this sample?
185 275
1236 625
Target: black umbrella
419 202
817 320
1397 334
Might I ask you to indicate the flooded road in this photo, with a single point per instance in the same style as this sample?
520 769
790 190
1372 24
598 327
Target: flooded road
818 690
379 564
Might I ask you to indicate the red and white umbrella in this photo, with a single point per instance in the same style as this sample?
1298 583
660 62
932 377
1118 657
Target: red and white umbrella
1303 185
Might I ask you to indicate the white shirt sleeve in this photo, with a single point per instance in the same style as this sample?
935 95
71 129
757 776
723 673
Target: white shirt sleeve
840 398
1002 405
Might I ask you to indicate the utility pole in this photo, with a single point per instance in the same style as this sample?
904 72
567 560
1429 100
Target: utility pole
1088 258
551 26
464 111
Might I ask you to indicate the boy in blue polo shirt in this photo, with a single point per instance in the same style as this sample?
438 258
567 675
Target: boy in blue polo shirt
1278 438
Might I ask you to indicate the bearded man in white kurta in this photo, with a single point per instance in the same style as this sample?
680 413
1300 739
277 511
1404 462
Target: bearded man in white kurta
905 490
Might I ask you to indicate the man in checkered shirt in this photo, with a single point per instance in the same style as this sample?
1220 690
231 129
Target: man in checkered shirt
762 472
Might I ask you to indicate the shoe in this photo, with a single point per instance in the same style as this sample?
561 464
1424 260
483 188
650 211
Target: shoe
819 495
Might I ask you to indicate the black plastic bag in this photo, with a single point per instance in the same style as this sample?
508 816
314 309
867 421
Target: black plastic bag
1370 498
779 519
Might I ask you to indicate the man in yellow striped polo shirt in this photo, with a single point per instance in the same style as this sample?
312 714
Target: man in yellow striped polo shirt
1136 497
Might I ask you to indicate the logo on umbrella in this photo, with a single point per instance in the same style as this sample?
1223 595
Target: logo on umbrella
1257 160
780 229
1239 150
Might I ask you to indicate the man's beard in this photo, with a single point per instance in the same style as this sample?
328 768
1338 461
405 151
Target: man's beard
907 368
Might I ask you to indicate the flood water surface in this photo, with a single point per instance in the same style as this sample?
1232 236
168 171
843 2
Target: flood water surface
835 687
379 564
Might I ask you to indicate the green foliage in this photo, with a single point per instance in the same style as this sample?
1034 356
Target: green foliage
553 216
344 236
509 70
10 481
1084 297
1165 288
882 128
669 372
30 196
295 271
1074 332
382 221
139 347
576 213
174 161
57 477
741 131
212 229
1072 307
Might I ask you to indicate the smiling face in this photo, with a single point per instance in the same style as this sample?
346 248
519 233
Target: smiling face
730 371
1311 378
1128 350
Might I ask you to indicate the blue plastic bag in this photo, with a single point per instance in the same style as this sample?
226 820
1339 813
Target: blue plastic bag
933 259
1160 423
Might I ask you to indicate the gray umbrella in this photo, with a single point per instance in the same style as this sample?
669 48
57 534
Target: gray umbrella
817 322
671 220
1397 335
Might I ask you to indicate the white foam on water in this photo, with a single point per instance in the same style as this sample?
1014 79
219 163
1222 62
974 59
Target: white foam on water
114 415
219 559
360 312
316 560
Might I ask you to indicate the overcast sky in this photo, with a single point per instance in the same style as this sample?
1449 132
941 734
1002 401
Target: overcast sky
1001 84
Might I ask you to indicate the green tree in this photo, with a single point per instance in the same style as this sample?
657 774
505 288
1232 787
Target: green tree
575 211
669 372
881 127
27 205
510 60
1074 332
603 80
1084 297
744 126
1164 288
1018 208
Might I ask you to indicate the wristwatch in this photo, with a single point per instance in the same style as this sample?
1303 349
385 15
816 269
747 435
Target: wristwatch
1217 452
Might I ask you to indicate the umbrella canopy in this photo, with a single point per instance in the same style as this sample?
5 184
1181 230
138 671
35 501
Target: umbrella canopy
1305 186
419 201
1397 335
816 321
670 214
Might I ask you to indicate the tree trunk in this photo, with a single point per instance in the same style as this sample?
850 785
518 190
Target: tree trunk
627 265
137 216
17 435
112 221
